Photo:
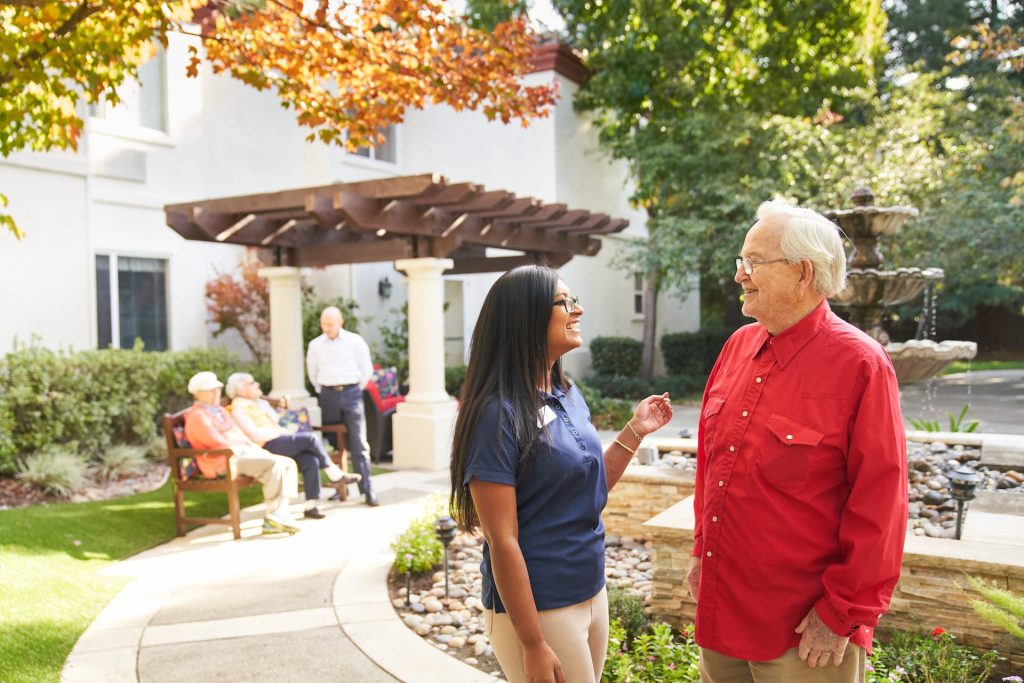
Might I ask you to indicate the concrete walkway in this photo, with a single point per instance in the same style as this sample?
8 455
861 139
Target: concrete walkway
314 607
307 608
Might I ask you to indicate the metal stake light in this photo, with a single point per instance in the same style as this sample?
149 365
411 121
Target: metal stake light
445 528
962 482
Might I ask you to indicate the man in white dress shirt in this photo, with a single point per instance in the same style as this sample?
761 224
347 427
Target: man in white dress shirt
339 366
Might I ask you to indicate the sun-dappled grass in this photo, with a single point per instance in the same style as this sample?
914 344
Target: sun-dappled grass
50 557
979 365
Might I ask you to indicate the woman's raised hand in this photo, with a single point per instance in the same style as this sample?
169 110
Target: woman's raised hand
653 413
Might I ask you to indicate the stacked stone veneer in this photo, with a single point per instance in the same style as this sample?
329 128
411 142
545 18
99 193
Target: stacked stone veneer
643 492
928 595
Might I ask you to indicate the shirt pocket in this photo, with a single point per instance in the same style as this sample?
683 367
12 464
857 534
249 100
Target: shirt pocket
712 409
789 453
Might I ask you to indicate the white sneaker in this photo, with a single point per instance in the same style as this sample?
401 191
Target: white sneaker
334 472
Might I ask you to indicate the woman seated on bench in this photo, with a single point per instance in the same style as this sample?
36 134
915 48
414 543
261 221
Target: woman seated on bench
258 419
208 426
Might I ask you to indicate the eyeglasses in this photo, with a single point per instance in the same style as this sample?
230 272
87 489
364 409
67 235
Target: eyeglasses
569 303
748 266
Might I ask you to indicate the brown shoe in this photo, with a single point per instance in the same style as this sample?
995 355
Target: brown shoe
313 513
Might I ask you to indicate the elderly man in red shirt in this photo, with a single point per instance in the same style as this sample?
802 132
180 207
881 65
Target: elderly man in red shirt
801 492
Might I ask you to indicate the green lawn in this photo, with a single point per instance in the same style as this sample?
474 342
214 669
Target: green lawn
49 559
976 365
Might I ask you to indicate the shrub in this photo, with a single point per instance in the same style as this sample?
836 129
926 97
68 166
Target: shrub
417 550
619 356
605 413
55 468
693 353
616 386
628 610
95 398
680 386
654 657
454 378
935 658
121 460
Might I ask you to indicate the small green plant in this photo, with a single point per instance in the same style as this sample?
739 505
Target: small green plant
956 423
616 356
156 448
417 550
454 378
628 610
999 607
56 469
121 460
930 658
658 656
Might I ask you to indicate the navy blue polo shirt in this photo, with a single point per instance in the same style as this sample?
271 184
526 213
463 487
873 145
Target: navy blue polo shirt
559 499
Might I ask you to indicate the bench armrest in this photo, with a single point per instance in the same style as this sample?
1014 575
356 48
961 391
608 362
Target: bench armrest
193 452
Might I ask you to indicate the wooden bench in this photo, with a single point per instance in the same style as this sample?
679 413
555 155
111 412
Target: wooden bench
232 482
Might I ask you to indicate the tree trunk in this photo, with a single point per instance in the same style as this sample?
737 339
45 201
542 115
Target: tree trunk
650 324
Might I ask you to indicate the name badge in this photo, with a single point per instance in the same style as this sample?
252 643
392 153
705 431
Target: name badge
545 416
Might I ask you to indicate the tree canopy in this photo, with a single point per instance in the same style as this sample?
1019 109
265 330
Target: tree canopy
347 69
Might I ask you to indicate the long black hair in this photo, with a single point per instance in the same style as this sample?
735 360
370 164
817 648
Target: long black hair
508 361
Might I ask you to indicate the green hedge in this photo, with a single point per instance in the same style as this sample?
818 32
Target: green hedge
693 353
619 356
636 388
96 398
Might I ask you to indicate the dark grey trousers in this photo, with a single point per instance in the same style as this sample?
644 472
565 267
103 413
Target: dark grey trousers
308 453
346 407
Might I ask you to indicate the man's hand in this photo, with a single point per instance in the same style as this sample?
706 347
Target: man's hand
541 665
819 646
693 577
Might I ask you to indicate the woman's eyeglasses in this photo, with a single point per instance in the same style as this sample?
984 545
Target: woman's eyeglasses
569 303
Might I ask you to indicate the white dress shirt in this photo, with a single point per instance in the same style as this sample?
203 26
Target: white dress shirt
342 360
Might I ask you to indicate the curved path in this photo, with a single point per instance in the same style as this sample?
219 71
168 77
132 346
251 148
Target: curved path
311 607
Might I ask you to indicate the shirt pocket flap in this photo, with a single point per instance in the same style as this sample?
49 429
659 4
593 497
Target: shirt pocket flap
713 406
792 433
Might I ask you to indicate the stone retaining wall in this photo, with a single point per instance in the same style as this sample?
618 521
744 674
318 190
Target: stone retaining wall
642 493
926 596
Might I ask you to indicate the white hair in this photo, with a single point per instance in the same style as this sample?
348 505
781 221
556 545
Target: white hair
234 381
809 235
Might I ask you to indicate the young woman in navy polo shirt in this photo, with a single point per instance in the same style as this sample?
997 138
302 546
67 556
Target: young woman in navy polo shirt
527 468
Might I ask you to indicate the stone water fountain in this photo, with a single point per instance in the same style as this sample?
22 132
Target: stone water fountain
870 290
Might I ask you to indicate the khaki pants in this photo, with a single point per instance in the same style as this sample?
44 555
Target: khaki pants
578 634
277 474
789 668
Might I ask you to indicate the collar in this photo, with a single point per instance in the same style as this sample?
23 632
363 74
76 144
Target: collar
557 392
789 342
217 411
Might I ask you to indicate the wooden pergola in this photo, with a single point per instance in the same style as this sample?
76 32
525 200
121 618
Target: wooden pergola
418 216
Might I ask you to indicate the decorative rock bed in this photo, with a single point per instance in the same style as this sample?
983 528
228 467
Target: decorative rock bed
456 625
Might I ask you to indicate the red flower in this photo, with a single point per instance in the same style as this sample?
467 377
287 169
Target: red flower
938 632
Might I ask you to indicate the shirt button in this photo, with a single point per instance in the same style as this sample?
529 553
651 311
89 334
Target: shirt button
575 433
583 446
745 413
758 380
732 449
715 518
709 553
789 437
721 483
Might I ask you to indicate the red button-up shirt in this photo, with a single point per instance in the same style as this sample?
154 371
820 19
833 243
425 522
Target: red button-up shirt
801 492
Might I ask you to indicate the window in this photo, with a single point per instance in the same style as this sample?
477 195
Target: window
142 101
385 151
131 302
638 294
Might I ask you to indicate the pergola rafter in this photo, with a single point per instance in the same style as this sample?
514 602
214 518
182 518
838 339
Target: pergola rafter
397 218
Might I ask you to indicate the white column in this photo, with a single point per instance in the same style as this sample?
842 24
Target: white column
287 357
422 424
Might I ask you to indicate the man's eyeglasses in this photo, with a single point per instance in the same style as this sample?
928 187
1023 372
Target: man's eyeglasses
569 303
748 266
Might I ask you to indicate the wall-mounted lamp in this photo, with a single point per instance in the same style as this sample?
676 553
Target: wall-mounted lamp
384 287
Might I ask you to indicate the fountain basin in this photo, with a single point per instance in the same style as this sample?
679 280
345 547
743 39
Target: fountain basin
871 221
921 359
872 287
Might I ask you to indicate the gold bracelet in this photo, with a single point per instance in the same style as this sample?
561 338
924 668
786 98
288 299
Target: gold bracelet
627 448
629 423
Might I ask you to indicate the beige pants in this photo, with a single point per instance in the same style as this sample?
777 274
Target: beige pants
277 474
789 668
578 634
